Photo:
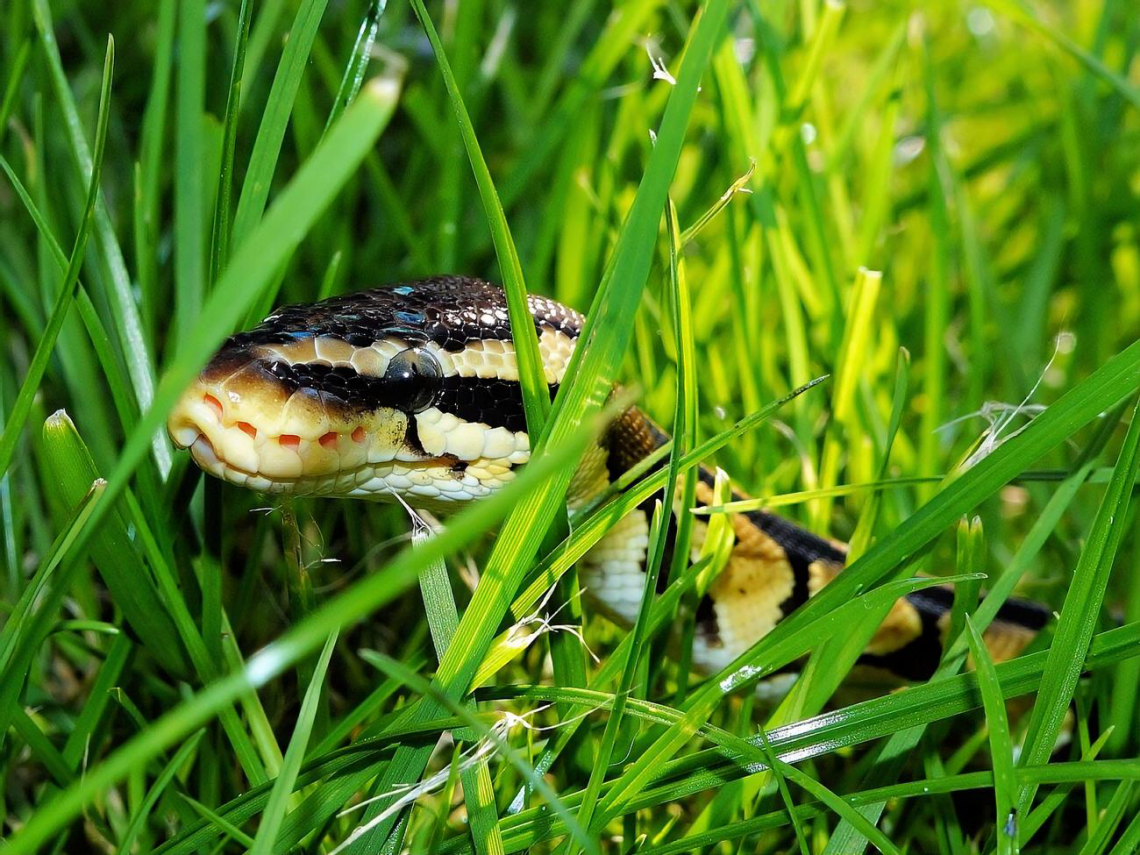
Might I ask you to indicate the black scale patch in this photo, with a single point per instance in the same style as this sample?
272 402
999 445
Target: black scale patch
341 387
919 658
451 311
496 403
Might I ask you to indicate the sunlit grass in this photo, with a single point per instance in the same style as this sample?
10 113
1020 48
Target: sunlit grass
936 206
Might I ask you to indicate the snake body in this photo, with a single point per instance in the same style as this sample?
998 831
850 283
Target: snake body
412 391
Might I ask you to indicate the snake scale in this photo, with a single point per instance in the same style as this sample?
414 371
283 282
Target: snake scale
412 391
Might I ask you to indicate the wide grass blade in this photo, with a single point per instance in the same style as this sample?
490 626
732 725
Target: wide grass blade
114 555
253 266
189 158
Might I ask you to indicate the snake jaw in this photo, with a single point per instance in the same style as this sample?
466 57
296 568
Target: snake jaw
241 429
245 433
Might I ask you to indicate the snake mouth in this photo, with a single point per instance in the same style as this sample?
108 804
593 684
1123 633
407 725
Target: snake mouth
251 440
379 480
254 444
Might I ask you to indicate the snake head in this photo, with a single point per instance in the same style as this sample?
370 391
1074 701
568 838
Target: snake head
310 414
408 390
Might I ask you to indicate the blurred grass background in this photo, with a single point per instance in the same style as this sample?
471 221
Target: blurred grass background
979 161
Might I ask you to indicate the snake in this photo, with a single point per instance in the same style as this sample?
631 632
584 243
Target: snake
411 392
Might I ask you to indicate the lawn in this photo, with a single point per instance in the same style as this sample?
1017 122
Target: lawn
931 208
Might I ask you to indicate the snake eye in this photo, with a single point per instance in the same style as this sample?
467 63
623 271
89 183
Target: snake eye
412 379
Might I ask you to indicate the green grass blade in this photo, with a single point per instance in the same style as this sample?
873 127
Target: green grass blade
629 668
1001 745
189 156
128 321
532 377
1083 602
1019 12
274 813
350 606
11 88
684 430
155 792
285 225
220 235
607 51
869 720
1049 805
840 808
271 132
1104 388
592 370
114 555
123 394
22 610
21 640
1115 812
149 168
40 746
229 828
18 416
984 161
358 62
492 736
1129 841
443 618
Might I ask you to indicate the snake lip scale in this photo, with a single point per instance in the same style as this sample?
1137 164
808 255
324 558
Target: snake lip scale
411 391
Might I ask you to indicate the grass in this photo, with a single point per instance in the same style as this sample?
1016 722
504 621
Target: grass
744 197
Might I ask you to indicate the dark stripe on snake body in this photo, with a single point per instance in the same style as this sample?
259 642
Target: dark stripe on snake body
801 547
917 659
489 401
493 402
1020 612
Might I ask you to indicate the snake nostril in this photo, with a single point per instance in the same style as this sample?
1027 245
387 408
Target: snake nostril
214 404
358 435
329 439
289 440
248 429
